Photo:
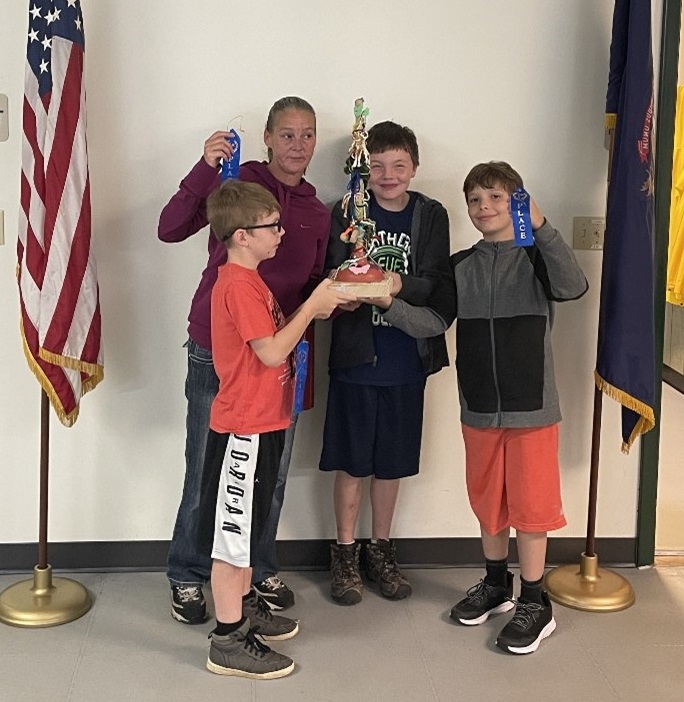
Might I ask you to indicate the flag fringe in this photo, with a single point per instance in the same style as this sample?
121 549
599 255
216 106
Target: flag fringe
68 419
92 369
610 120
646 420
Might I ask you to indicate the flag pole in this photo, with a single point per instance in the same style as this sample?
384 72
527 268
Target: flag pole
43 600
587 586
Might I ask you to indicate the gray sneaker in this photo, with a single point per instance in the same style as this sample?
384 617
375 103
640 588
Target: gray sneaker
346 587
241 653
269 626
382 569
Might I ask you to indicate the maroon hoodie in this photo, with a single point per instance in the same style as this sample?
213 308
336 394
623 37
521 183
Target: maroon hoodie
291 274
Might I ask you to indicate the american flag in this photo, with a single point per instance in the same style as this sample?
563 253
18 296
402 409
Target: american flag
58 291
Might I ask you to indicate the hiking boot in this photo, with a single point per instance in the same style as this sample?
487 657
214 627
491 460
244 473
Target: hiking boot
482 600
382 569
276 593
346 587
530 625
268 626
241 653
187 604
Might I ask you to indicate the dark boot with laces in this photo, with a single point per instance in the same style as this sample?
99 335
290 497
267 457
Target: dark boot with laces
241 653
382 569
346 587
530 625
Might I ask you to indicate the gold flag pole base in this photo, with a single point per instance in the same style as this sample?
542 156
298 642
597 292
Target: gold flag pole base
43 601
589 587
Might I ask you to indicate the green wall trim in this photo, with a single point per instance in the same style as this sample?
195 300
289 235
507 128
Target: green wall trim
664 148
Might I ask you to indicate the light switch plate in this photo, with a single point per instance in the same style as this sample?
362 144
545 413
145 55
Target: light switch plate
588 233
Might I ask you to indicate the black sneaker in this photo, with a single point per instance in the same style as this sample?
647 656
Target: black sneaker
382 569
346 587
187 604
530 625
482 600
275 592
241 653
270 627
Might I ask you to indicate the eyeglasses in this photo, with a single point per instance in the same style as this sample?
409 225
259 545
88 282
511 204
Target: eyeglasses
272 225
277 225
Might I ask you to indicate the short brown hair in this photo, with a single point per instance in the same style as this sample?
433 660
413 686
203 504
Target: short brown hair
237 204
386 136
487 175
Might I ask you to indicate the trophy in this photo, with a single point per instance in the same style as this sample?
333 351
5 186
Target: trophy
359 275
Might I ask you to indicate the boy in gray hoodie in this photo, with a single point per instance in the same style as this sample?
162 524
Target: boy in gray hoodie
509 401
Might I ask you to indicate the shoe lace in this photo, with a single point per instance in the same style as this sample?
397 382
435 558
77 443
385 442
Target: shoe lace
347 564
251 642
389 563
525 613
189 593
274 582
478 593
263 610
255 645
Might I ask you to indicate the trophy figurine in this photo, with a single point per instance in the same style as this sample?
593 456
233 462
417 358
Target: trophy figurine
359 275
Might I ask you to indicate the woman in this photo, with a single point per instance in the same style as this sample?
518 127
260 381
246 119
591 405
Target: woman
290 137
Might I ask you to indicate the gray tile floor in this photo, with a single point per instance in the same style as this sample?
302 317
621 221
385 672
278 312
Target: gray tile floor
129 648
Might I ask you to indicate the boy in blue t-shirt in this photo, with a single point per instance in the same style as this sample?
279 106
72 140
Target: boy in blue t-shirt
374 417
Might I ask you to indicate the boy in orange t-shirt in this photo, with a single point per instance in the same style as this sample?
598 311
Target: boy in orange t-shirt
252 351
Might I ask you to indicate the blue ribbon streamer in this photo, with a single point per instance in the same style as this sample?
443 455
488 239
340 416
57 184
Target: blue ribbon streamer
230 167
522 222
301 365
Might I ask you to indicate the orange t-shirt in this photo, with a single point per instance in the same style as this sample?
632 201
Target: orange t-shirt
252 398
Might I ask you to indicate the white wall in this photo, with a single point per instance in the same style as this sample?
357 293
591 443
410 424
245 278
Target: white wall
524 82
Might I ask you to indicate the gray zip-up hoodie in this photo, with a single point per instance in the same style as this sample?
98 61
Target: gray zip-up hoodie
505 297
504 306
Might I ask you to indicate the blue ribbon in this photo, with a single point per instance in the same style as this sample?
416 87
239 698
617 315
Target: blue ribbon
301 365
230 167
522 222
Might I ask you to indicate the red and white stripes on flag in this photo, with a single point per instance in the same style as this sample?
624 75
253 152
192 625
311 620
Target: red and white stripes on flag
58 291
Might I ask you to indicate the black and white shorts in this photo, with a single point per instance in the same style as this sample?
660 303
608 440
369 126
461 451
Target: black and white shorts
238 482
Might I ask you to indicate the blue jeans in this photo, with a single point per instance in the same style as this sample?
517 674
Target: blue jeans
186 564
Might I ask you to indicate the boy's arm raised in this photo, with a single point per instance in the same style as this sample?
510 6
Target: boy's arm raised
555 265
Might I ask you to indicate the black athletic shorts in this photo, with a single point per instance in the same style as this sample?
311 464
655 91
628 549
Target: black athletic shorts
238 482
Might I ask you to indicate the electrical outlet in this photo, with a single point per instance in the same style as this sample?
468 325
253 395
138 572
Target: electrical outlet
588 233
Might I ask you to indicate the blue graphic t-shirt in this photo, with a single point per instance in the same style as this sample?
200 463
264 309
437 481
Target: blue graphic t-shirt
397 360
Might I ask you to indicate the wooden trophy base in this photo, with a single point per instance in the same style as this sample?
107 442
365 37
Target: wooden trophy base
381 288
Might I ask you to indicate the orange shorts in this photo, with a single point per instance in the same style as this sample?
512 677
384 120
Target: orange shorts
513 478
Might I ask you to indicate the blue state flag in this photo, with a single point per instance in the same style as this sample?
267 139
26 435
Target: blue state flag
625 363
